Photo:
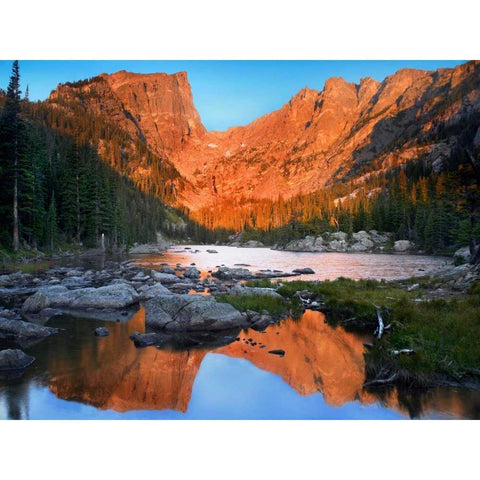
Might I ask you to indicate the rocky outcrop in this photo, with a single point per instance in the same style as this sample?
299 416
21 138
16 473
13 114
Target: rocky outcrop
190 313
339 242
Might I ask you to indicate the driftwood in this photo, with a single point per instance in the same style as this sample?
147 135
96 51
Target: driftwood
380 381
381 326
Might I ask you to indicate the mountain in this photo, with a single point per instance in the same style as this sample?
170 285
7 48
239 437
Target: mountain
338 140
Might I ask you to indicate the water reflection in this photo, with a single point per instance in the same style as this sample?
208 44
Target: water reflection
110 373
323 365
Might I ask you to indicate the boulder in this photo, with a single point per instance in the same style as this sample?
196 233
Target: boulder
191 272
380 238
102 332
462 255
165 278
304 270
149 291
338 245
191 312
18 331
340 236
307 244
225 273
167 269
252 244
14 359
402 245
211 251
239 290
110 296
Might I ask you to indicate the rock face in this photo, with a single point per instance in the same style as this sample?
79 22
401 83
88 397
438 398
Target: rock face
110 296
14 360
191 313
317 137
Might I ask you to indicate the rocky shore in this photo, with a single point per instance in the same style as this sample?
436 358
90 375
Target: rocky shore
179 302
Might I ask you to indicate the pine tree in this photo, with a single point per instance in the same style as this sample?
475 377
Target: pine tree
11 131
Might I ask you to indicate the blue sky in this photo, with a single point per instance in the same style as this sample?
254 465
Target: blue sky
226 93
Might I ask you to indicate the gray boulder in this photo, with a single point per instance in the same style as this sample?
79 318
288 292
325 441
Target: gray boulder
402 245
252 244
110 296
191 272
305 270
338 245
462 255
14 359
226 273
165 278
191 312
239 290
102 332
18 331
150 291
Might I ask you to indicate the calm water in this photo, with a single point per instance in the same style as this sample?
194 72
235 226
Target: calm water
80 376
325 265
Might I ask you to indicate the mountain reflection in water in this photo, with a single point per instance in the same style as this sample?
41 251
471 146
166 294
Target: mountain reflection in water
322 364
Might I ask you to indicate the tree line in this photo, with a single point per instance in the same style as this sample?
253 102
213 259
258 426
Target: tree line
56 190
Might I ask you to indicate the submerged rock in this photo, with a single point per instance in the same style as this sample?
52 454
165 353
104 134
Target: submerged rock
102 332
14 359
191 312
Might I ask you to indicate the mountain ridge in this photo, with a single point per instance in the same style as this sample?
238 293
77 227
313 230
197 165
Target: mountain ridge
316 139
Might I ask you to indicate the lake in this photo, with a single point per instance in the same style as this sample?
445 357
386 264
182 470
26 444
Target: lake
79 376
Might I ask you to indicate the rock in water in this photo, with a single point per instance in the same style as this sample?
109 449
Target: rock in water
14 360
18 331
306 270
191 313
118 295
191 272
278 351
102 332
